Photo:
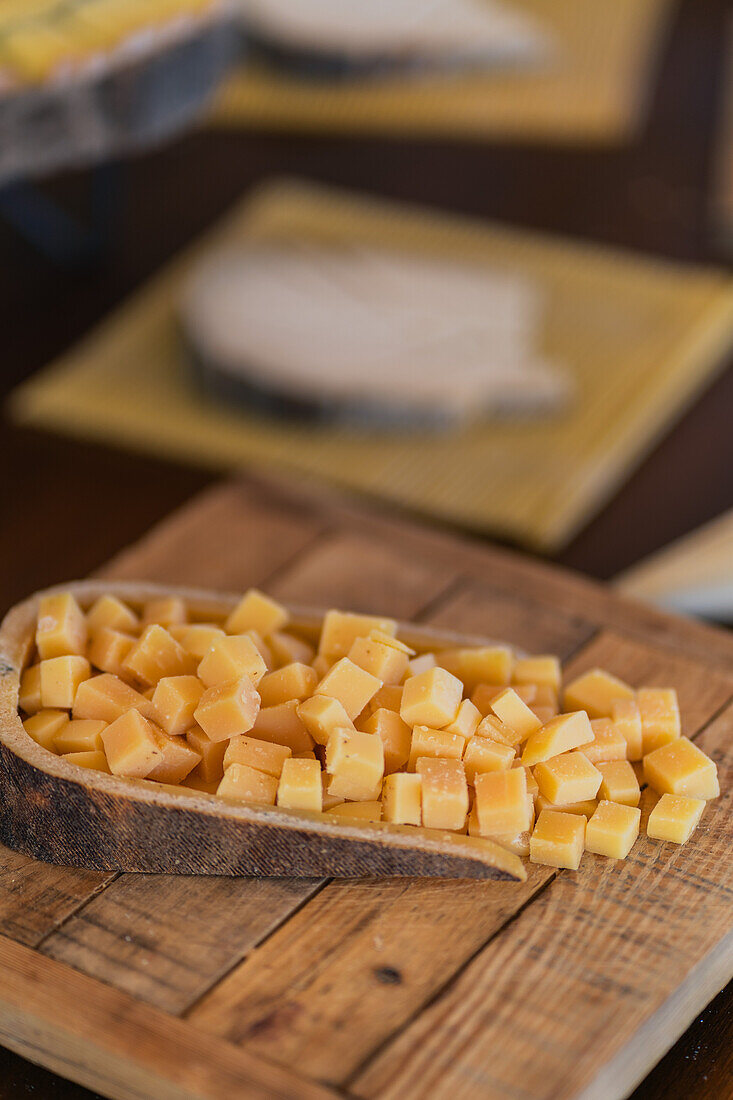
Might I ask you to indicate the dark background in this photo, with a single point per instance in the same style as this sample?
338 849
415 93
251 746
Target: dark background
67 506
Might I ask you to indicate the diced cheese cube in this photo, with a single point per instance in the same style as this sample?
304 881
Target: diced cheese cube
660 717
466 722
244 784
131 745
283 725
595 692
395 735
80 735
586 807
44 726
434 743
164 610
389 697
265 756
483 696
501 801
386 662
29 693
295 681
484 755
431 698
92 758
612 830
680 767
111 612
155 654
608 742
514 713
288 649
109 649
494 728
230 658
262 648
476 665
175 700
567 731
356 758
106 697
538 670
341 787
62 627
197 638
514 842
195 781
568 778
675 817
300 785
211 768
229 709
357 811
179 758
256 611
321 715
444 793
422 663
341 629
351 685
402 798
619 783
558 839
627 720
60 678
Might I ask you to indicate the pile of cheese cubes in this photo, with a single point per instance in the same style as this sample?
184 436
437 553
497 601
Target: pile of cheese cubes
356 725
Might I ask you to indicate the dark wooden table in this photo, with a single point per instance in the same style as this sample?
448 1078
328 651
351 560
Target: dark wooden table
67 506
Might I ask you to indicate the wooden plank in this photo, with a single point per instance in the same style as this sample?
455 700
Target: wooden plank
359 959
34 897
108 1041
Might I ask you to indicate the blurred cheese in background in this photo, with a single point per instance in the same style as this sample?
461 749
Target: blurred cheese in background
369 335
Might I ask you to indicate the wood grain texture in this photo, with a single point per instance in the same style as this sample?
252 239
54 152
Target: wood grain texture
35 897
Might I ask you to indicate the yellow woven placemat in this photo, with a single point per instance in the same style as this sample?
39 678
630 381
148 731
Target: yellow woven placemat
641 338
594 88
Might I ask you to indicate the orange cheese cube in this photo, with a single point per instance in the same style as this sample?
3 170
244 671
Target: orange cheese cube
383 660
231 658
608 742
567 731
93 759
341 629
44 726
62 627
321 665
514 842
155 654
288 649
109 649
229 709
680 767
197 638
106 697
356 758
265 756
476 665
321 715
558 839
244 784
514 713
256 611
296 681
80 735
211 768
538 670
113 614
179 759
612 830
351 685
60 678
283 725
484 755
195 781
493 728
660 717
431 698
532 784
501 801
29 693
262 648
175 700
164 610
389 697
300 786
595 692
586 807
568 778
467 721
402 798
330 800
619 783
357 811
395 735
675 817
434 743
627 720
444 793
341 787
131 745
483 696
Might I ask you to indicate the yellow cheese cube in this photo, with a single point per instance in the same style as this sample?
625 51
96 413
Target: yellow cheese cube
422 663
62 627
287 649
93 759
300 785
514 713
230 658
479 664
244 784
494 728
309 754
80 735
60 678
195 781
431 698
321 665
131 745
44 726
357 758
395 735
351 685
567 731
175 700
29 693
386 662
340 787
538 670
608 742
330 800
558 839
619 783
321 715
675 818
164 610
113 614
444 793
227 710
483 696
484 755
109 649
391 640
514 842
282 725
627 720
660 717
341 629
357 811
389 697
586 807
295 681
106 697
179 759
265 756
156 654
612 830
434 743
595 692
256 611
680 767
211 768
544 714
402 798
568 778
501 801
197 638
262 648
533 787
467 721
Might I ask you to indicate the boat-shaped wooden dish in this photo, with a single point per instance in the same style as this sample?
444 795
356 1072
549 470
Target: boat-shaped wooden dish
60 813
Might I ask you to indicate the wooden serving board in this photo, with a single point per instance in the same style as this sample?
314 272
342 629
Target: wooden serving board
564 986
